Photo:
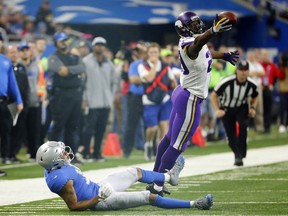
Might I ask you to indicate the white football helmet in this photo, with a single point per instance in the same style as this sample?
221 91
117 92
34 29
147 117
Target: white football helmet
50 155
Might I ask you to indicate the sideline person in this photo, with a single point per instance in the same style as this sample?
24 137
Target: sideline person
237 96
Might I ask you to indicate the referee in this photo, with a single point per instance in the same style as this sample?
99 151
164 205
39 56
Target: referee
231 101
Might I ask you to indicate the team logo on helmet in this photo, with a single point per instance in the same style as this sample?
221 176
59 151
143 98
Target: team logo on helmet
179 24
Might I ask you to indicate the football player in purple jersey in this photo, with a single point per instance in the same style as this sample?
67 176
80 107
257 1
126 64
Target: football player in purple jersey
196 60
80 193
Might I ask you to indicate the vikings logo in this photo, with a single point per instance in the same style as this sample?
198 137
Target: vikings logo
178 23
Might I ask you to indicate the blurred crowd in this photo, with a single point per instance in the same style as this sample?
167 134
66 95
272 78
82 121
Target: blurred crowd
111 89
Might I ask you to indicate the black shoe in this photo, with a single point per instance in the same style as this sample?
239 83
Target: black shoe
7 160
15 160
150 187
166 190
238 162
2 173
100 158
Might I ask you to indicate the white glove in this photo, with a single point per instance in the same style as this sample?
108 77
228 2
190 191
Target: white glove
221 25
105 190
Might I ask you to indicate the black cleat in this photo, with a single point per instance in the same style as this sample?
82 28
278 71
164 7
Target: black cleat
238 162
166 190
150 187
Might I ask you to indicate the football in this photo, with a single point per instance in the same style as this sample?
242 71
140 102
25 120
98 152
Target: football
230 15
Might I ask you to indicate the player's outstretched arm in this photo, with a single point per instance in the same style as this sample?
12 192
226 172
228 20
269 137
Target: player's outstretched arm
67 193
218 26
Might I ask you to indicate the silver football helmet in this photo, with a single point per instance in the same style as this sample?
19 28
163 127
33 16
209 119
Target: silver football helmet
50 155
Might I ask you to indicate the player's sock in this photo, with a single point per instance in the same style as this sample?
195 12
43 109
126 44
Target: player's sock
168 161
163 145
151 176
169 203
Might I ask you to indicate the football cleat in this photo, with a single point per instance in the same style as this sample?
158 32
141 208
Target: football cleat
204 203
175 171
152 190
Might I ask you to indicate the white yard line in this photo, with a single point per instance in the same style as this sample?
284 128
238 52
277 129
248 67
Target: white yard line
27 190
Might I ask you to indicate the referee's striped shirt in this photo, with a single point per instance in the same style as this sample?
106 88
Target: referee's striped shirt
233 94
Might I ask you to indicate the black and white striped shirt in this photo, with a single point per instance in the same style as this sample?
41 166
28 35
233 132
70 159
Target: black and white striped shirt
233 94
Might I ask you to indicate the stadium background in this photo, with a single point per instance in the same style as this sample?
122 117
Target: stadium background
133 20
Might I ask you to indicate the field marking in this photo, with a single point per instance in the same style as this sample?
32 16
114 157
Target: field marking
18 165
36 188
251 202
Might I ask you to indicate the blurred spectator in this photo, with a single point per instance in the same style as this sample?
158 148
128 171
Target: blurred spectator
98 96
28 33
157 79
268 81
283 91
40 47
4 22
168 57
18 133
9 91
33 121
134 126
83 48
16 21
67 73
256 72
45 16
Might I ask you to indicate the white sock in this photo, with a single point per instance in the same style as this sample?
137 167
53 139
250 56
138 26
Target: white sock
158 188
167 177
192 204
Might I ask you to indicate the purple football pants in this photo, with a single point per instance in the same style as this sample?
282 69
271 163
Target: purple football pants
183 122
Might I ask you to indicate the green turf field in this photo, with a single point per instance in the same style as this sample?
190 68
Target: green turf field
260 190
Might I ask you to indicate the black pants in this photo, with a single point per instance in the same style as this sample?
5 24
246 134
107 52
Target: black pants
267 108
5 129
18 133
65 113
95 125
33 125
134 113
238 144
284 108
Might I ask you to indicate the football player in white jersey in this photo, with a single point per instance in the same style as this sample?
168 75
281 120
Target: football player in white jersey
196 60
80 193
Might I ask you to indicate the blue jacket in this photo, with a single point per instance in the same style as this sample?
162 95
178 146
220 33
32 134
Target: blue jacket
8 84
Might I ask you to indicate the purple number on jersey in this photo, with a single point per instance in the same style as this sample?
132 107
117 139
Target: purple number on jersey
210 60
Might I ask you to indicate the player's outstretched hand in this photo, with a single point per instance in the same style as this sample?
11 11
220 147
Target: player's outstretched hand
221 25
231 57
105 190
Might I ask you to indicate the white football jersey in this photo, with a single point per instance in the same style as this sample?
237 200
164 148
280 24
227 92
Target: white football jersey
195 75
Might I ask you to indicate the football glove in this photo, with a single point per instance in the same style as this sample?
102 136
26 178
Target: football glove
105 190
221 25
231 57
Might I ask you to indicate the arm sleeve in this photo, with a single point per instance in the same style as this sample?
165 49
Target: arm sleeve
77 69
13 88
54 64
255 92
142 72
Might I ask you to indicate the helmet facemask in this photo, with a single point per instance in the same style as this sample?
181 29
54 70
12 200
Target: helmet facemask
196 26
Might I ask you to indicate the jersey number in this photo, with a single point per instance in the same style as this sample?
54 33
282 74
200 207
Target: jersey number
210 60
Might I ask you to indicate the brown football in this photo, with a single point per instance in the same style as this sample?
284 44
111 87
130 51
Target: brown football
230 15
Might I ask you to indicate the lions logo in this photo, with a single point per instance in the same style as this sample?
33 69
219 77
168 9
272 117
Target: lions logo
179 24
